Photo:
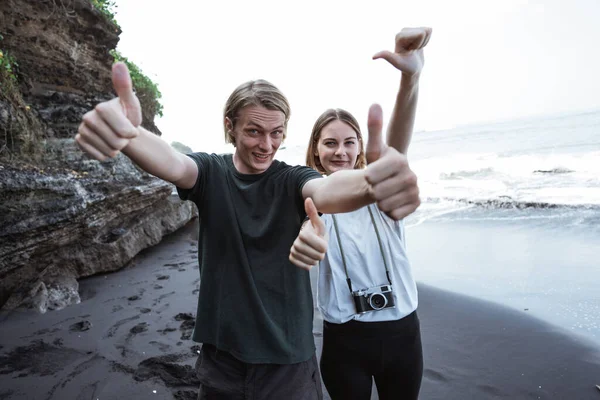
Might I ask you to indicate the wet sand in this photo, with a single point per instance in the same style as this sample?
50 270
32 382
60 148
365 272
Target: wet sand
130 338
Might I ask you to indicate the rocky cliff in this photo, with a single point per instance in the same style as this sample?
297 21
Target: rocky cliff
64 216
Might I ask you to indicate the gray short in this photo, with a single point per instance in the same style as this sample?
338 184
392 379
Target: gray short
224 377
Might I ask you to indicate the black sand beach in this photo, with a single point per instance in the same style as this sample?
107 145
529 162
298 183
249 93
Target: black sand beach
129 338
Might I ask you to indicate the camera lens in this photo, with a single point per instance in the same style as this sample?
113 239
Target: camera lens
377 301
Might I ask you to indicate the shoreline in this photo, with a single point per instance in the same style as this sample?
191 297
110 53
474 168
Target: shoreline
540 266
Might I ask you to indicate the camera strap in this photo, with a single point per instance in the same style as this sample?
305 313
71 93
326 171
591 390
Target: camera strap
337 234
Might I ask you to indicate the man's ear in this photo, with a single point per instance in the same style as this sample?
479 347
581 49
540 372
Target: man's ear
228 124
229 127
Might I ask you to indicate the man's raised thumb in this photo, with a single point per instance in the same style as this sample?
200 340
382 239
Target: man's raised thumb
375 144
124 88
313 215
122 82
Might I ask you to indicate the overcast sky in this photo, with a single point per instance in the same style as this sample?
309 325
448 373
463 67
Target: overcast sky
486 61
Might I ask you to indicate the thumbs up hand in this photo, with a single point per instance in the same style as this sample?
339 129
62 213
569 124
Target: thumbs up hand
109 128
392 183
311 244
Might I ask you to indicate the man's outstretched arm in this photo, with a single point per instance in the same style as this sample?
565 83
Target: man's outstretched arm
388 181
114 126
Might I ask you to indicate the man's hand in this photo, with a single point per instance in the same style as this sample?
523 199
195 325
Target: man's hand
393 184
311 244
109 128
375 145
408 55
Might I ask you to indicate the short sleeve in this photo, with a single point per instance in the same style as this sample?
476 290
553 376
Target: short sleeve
303 175
196 194
300 175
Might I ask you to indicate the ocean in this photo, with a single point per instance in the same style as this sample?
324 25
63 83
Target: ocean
549 167
511 214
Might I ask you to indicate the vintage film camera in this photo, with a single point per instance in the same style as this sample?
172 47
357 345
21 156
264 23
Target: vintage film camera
373 299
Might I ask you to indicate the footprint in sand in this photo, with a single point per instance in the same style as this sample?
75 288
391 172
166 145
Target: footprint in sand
435 375
81 326
39 333
184 317
139 328
187 326
168 369
137 296
175 265
161 346
113 329
38 358
166 330
162 297
491 390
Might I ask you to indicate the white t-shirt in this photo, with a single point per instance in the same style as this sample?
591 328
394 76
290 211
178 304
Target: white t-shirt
365 266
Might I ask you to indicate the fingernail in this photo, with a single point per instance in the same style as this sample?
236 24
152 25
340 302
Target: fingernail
118 71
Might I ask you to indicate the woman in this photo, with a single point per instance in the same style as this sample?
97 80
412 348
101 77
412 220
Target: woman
367 293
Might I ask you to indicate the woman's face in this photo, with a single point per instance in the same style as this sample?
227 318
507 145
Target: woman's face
338 147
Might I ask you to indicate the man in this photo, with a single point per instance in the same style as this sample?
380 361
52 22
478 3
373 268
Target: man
255 309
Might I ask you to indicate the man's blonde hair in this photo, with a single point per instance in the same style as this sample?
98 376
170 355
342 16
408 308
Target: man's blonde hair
254 93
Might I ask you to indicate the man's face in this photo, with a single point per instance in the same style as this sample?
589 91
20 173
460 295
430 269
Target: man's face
258 134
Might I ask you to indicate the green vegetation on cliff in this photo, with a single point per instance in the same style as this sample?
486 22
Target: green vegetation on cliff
146 90
107 8
16 130
8 66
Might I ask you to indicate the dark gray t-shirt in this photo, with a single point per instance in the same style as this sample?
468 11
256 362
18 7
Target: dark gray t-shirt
253 303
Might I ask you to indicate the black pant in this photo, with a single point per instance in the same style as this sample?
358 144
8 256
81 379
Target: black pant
224 377
356 352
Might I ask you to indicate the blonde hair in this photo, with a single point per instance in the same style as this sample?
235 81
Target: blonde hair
312 155
254 93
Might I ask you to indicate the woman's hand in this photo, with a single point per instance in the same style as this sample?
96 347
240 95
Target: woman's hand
311 244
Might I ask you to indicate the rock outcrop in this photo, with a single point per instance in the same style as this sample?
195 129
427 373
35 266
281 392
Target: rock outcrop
64 216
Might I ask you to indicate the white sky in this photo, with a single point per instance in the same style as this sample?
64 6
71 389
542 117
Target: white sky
486 61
